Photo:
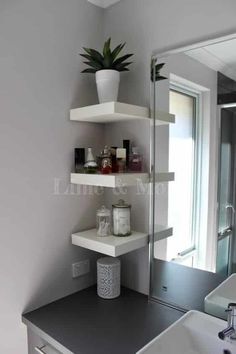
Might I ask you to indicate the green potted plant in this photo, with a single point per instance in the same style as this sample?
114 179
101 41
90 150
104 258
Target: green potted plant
107 67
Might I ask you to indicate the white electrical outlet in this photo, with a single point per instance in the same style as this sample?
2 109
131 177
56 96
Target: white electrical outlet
80 268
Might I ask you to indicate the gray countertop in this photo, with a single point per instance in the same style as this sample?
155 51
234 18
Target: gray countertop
83 323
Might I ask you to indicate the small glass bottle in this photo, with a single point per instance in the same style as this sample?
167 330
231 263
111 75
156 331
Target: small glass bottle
113 159
121 213
126 146
79 160
106 162
136 161
103 222
121 160
90 165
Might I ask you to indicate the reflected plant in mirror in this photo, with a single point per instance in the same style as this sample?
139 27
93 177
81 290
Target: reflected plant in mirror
155 71
200 90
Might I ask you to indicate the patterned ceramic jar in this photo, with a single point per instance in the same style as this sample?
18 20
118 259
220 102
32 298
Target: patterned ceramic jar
108 277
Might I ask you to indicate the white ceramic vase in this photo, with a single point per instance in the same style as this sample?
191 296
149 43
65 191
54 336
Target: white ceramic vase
107 85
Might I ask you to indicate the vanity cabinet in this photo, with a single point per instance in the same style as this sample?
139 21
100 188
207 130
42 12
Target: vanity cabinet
38 345
46 349
83 323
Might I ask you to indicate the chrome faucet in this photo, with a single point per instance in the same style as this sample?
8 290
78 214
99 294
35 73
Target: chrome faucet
230 331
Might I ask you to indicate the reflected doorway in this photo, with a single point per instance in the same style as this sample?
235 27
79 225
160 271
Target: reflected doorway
225 263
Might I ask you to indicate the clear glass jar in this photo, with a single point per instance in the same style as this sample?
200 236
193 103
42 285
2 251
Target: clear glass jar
121 218
103 222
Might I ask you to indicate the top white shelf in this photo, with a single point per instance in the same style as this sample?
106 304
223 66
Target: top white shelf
117 112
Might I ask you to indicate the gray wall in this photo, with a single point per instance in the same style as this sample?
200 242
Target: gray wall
159 25
40 82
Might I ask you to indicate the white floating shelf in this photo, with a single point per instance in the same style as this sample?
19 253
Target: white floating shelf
165 177
112 180
111 245
163 118
117 112
162 232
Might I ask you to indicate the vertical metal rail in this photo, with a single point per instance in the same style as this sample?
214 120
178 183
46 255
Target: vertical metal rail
152 187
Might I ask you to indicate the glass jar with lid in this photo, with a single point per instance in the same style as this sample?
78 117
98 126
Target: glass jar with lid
103 221
121 218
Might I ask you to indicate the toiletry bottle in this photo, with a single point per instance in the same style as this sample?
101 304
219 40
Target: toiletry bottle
113 159
136 161
90 165
79 160
126 146
121 160
106 162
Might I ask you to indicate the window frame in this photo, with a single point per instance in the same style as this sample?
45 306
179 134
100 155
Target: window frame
194 250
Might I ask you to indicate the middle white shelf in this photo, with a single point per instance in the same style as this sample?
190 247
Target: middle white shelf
110 245
116 246
114 180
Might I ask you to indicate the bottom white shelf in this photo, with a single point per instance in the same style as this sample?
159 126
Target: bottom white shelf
110 245
162 232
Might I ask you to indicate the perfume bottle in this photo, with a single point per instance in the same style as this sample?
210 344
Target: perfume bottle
90 165
106 161
121 160
113 159
79 160
126 146
136 161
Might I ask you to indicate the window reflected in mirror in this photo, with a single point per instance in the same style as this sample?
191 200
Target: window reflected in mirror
200 204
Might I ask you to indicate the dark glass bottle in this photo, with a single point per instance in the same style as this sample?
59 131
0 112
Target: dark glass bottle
79 160
126 146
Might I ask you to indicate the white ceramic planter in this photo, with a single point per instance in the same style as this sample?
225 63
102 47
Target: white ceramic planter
107 85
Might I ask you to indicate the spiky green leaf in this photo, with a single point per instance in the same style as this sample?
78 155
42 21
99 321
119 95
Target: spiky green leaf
94 54
121 59
158 67
107 49
117 50
155 70
90 71
159 78
93 64
86 56
122 66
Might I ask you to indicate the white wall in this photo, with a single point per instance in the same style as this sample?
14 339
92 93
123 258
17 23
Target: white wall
160 25
40 81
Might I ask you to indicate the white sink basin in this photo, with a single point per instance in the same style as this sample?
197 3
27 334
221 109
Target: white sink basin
217 301
194 333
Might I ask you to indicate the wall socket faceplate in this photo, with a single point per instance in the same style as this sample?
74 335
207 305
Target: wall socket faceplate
80 268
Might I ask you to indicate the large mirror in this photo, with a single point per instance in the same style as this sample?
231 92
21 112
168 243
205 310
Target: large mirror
200 90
